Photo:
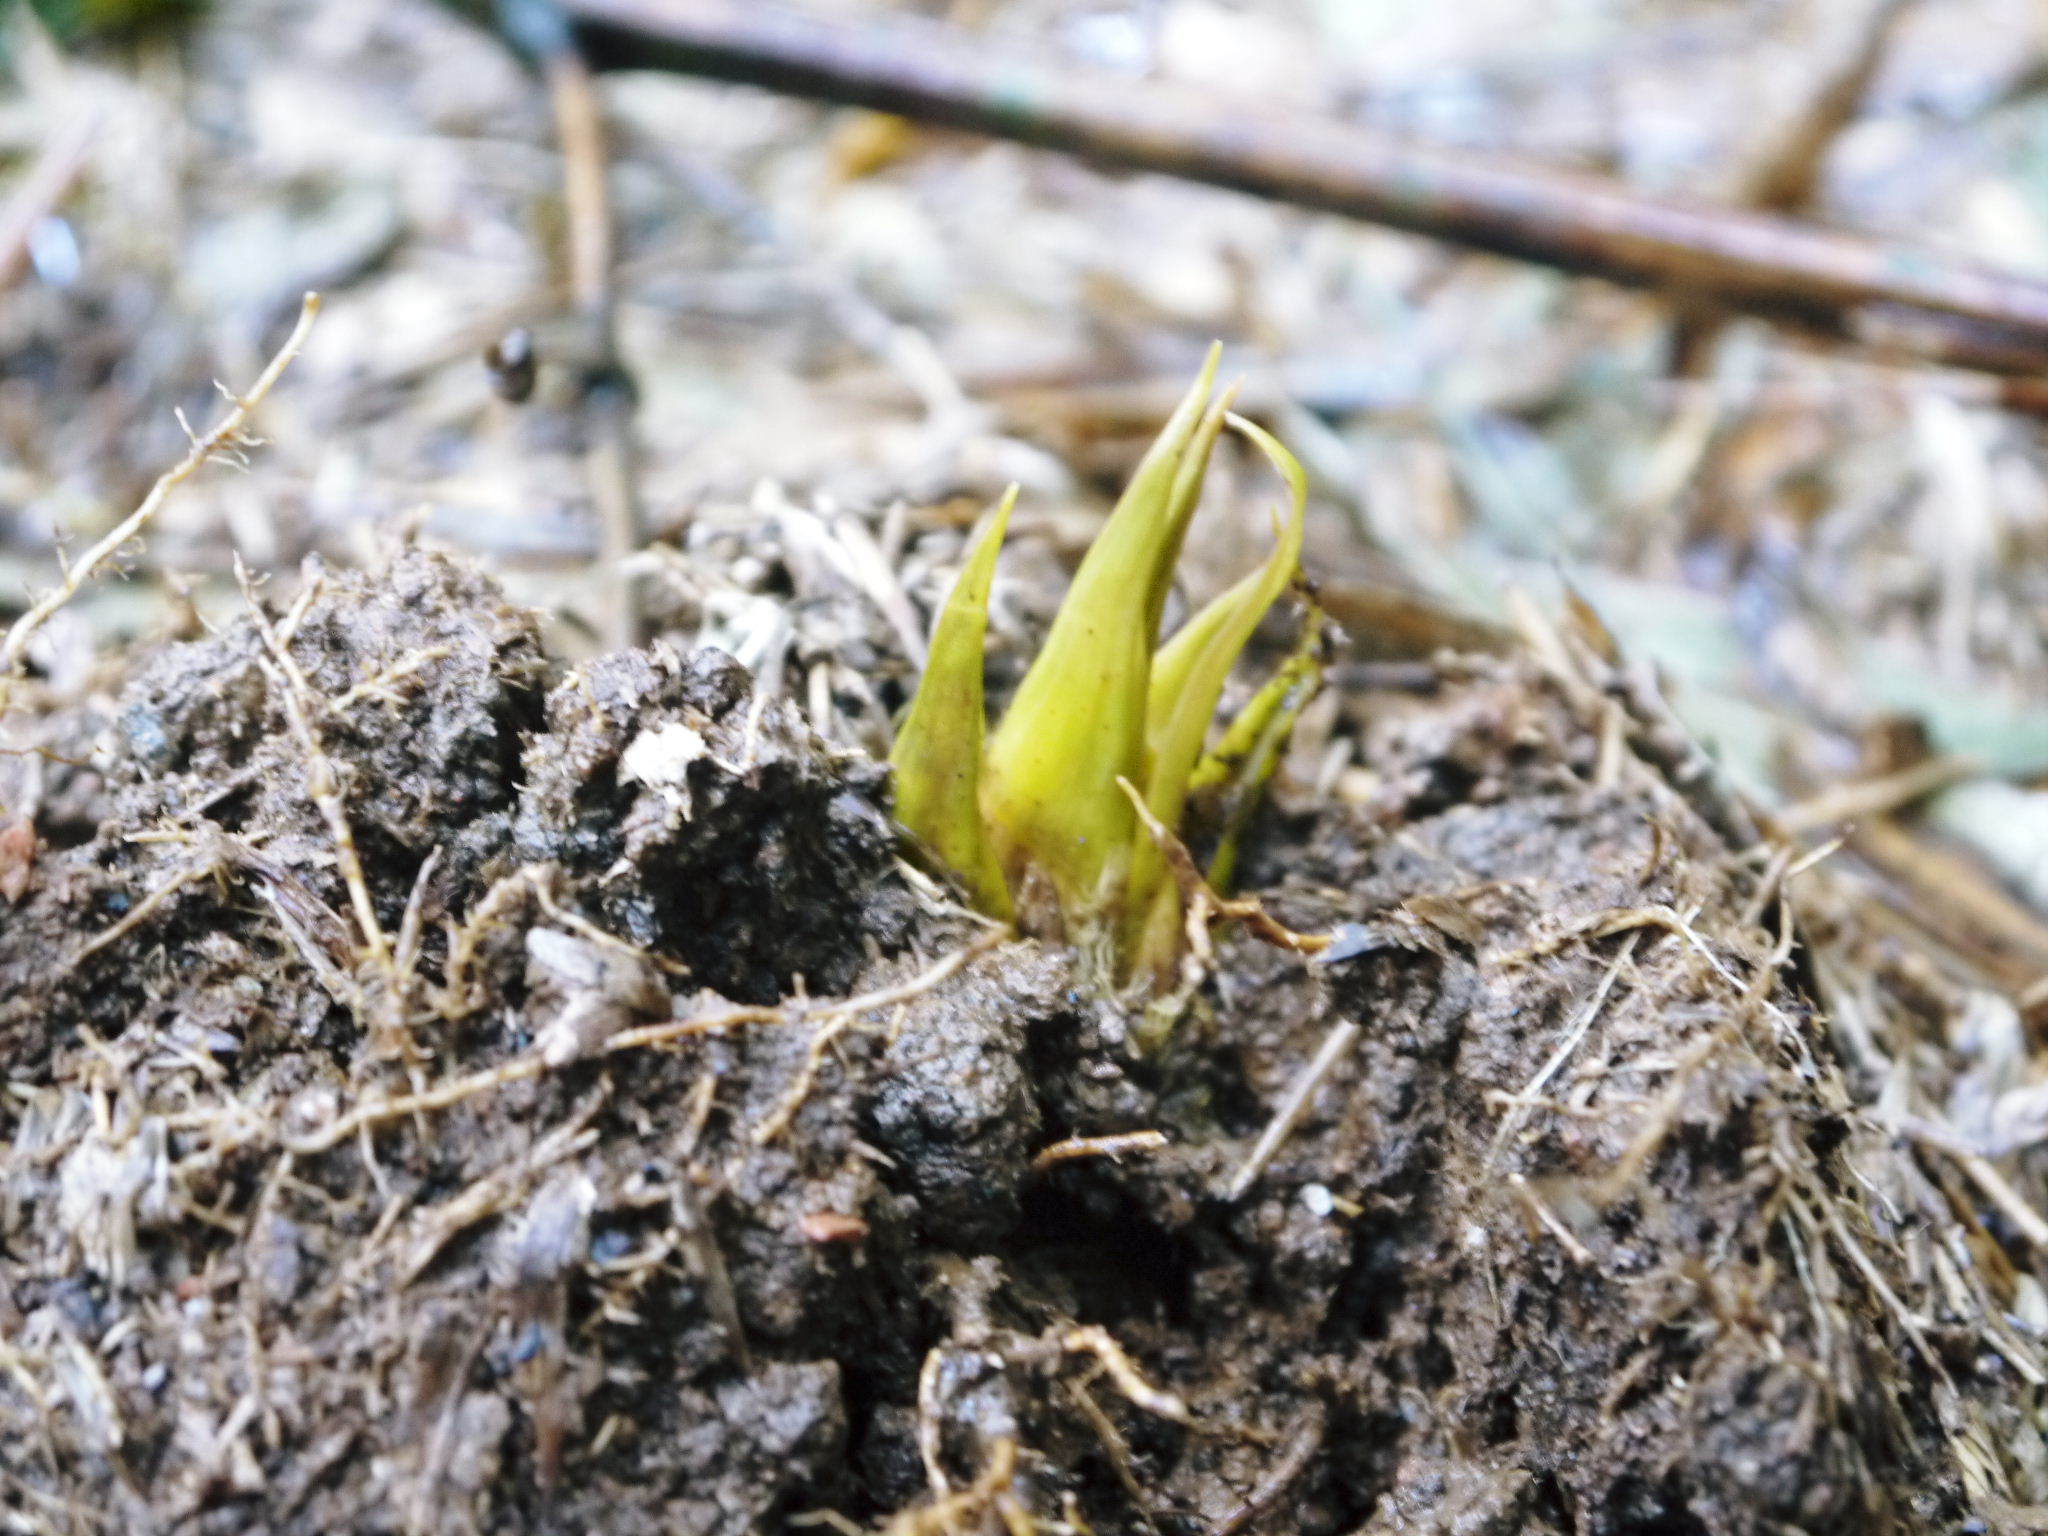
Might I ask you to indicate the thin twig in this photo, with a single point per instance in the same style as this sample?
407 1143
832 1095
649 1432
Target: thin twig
1786 174
520 1068
1112 1147
225 435
611 456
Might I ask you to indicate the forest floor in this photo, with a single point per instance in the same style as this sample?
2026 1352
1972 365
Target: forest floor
464 1077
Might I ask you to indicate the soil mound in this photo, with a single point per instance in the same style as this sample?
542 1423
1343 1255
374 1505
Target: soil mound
448 1092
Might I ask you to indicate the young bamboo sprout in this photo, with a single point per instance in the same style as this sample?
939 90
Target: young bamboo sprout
1032 818
1062 830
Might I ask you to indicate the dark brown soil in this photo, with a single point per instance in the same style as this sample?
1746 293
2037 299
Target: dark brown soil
1585 1231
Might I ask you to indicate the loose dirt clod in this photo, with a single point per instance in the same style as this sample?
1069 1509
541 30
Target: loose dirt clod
586 1207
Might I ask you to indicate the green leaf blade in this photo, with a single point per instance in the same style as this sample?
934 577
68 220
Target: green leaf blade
1187 682
1077 723
938 754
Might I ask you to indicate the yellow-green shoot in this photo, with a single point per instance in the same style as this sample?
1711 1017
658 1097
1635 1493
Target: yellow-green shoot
1032 818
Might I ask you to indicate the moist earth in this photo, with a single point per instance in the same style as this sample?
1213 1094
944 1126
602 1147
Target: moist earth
450 1091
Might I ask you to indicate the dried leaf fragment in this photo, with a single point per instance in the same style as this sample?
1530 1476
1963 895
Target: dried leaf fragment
17 859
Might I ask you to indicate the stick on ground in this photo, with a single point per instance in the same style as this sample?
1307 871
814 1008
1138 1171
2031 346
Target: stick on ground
1912 303
611 457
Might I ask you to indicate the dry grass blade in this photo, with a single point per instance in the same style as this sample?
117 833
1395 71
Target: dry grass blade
56 169
323 780
1995 1187
1520 1105
1859 799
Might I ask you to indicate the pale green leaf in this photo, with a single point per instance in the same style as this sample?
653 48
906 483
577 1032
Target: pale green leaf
1188 677
939 748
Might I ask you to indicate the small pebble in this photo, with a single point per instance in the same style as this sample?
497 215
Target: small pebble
54 252
529 1343
78 1306
512 363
